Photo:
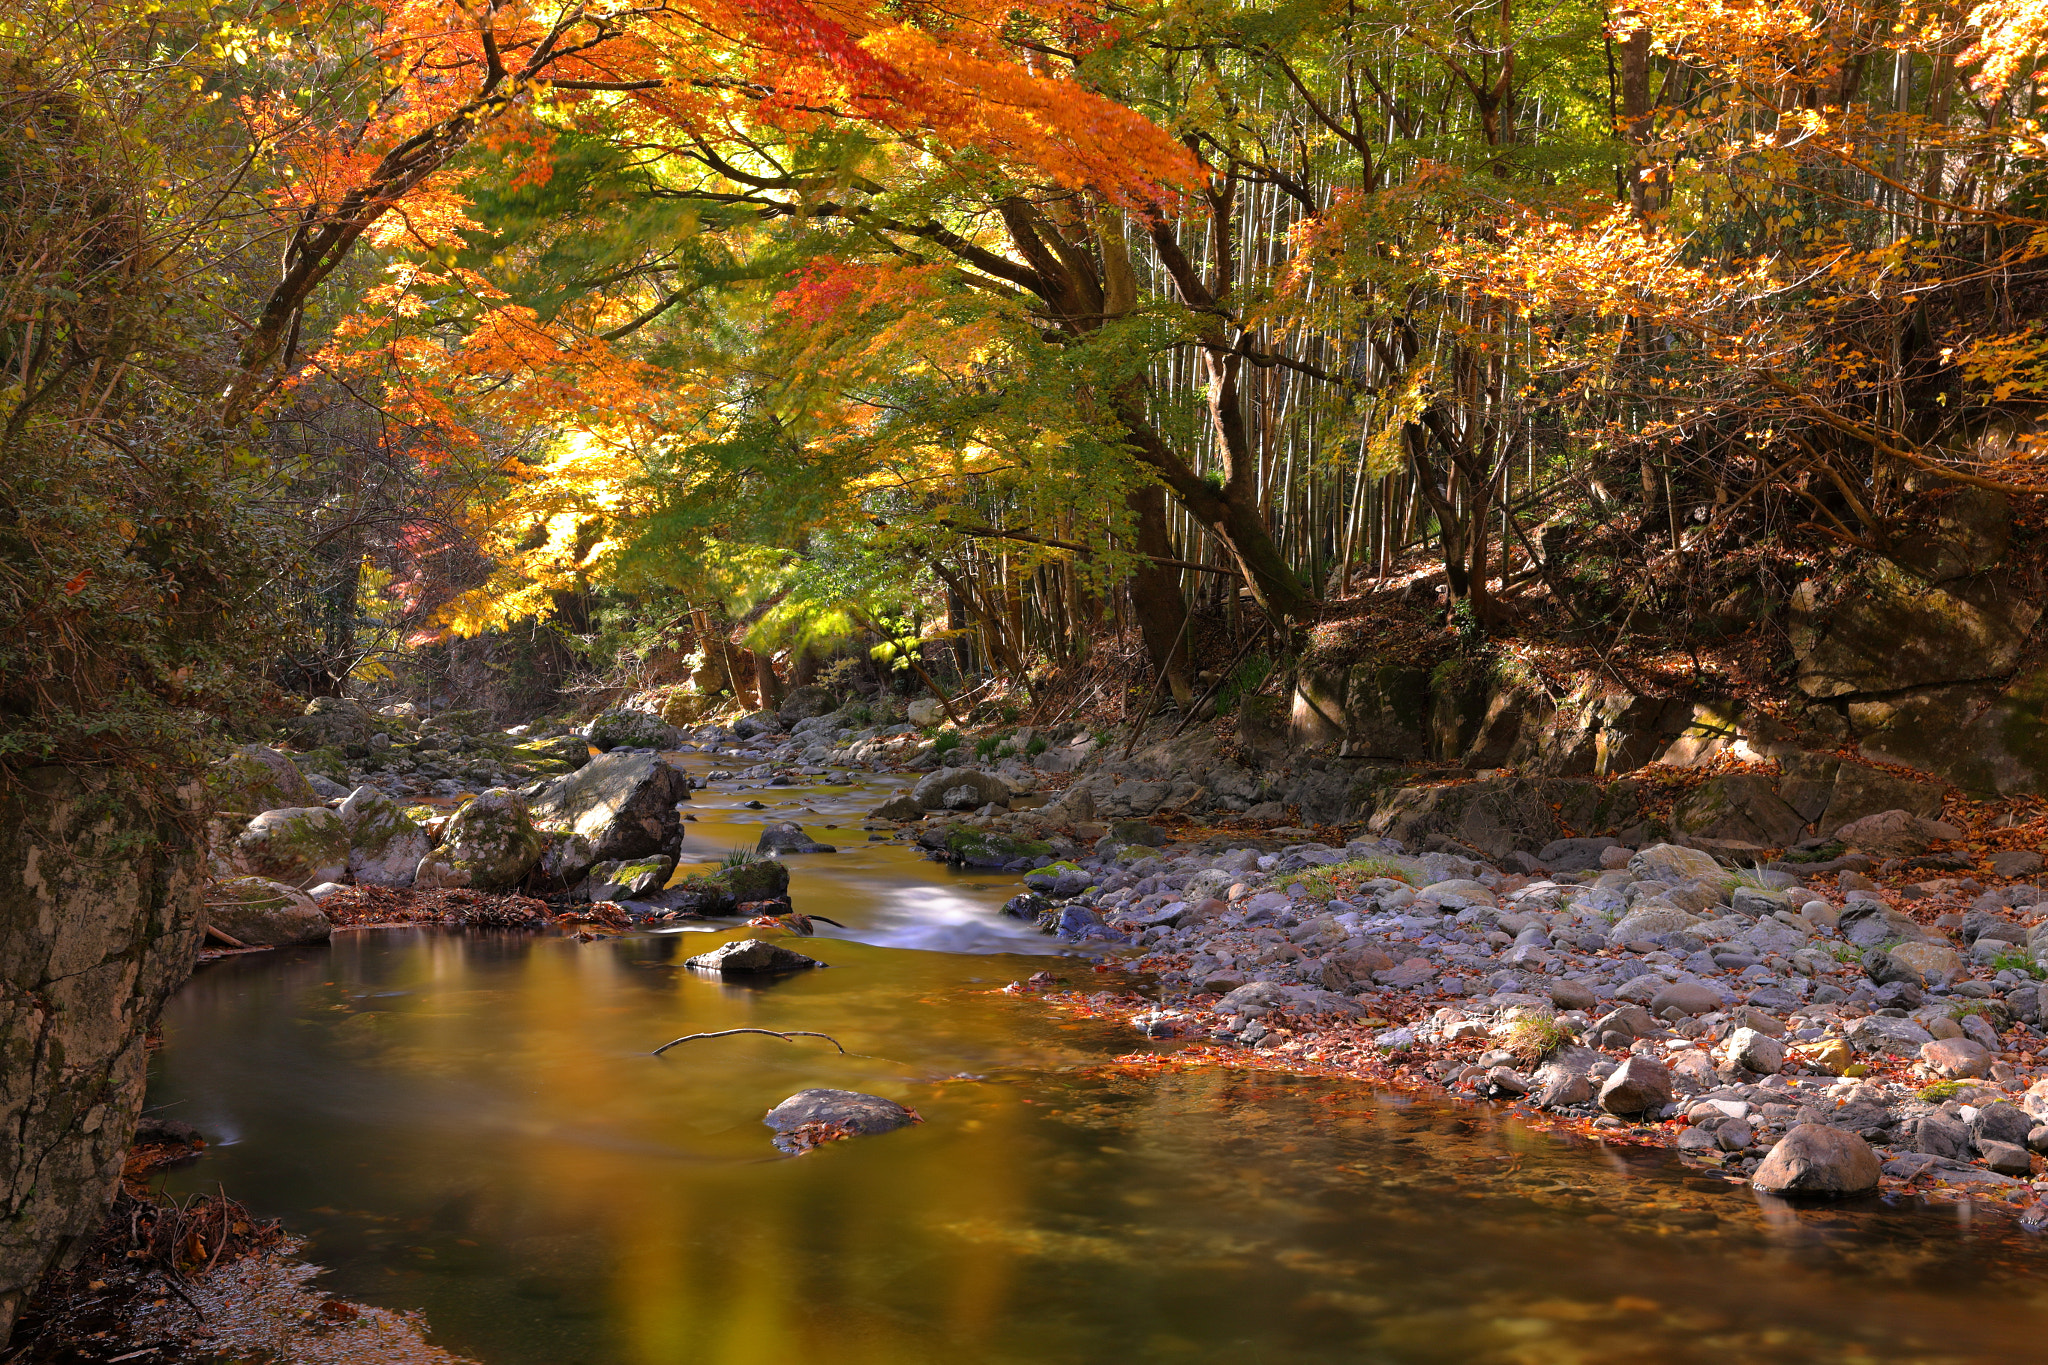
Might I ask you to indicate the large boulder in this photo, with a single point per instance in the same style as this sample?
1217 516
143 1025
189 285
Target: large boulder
924 711
624 803
1895 834
1495 817
1817 1159
254 779
1890 631
489 845
565 862
804 703
1990 739
1741 807
300 846
1640 1085
960 789
625 727
1674 864
264 913
629 879
385 844
335 723
725 890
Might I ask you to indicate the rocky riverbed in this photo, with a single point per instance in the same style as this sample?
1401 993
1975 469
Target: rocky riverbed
1828 1025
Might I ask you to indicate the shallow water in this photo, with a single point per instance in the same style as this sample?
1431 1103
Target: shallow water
470 1125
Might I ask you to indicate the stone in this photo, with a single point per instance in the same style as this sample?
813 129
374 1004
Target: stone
2015 862
1754 1051
898 808
1687 997
326 788
752 956
1895 834
630 728
787 836
1640 1085
1494 817
1573 855
1890 631
385 844
1137 832
1926 963
1939 1135
629 880
1818 1160
624 803
1829 1056
2001 1122
1650 922
925 711
1868 923
1739 806
806 703
491 842
849 1112
1458 892
725 890
960 789
299 846
1956 1058
336 723
1894 1037
565 862
254 779
1673 864
1573 995
1858 791
263 913
104 892
2006 1158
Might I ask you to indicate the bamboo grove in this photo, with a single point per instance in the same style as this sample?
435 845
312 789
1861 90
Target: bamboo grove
1054 320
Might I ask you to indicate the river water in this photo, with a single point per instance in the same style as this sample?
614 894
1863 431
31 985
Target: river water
470 1125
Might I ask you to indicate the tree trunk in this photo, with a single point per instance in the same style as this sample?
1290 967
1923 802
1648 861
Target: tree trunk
1155 594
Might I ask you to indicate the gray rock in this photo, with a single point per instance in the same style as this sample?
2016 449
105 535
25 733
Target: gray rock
629 880
1673 864
299 846
565 862
489 845
336 722
898 808
254 779
1567 994
1962 1058
325 787
266 914
1573 855
787 836
1137 832
1895 1037
1937 1134
960 789
2006 1158
1813 1159
752 956
1895 834
2001 1122
848 1111
1640 1085
1867 923
806 703
624 803
1687 997
1754 1051
2015 863
385 844
629 727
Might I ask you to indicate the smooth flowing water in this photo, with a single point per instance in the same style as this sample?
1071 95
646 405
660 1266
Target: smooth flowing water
471 1125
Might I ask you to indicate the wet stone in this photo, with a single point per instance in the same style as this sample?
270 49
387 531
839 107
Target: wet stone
752 955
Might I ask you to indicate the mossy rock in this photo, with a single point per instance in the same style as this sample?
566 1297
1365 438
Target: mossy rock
986 848
255 778
724 891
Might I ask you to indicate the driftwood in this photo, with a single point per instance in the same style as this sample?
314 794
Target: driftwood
789 1037
224 937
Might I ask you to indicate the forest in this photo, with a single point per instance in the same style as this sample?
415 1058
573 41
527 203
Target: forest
1454 594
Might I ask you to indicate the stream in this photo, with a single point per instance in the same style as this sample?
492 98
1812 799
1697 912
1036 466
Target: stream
469 1125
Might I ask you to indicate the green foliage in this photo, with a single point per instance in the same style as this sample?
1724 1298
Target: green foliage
1037 746
986 746
1943 1090
946 743
1337 879
739 855
2019 960
1244 680
1532 1038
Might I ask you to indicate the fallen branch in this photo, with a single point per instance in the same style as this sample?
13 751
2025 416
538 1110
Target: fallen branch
224 937
791 1036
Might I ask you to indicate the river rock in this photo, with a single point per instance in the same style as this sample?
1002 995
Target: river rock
628 879
1755 1051
490 845
724 890
1573 855
630 728
2001 1122
264 913
1672 864
2015 862
1649 922
787 836
1867 923
806 703
1640 1085
960 789
624 803
1895 1037
1956 1058
923 711
385 844
337 723
1814 1159
849 1111
565 862
1924 963
1687 997
1895 834
752 956
300 846
254 779
898 808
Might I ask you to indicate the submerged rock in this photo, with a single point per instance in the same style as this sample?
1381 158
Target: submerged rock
811 1117
752 955
787 836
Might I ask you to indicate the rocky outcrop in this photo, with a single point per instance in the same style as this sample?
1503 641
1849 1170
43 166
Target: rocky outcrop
300 846
624 803
101 903
385 844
